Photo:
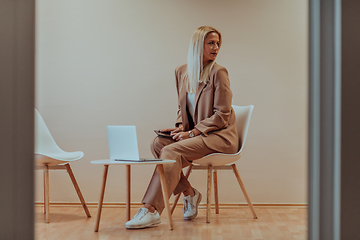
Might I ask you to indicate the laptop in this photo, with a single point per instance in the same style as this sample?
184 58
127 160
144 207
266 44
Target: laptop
123 144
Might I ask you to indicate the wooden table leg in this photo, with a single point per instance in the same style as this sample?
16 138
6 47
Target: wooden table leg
46 191
165 194
77 189
128 193
106 168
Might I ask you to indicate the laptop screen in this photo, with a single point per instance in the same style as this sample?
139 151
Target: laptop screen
123 142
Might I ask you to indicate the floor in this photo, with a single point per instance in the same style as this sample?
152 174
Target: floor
277 223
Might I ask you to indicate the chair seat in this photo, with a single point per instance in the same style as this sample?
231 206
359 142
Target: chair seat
60 156
217 159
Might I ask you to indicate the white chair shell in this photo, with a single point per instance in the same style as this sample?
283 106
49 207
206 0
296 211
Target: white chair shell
46 149
243 115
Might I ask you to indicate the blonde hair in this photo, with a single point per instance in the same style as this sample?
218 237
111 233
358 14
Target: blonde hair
196 72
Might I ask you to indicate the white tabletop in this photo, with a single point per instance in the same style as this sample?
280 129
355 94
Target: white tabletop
114 162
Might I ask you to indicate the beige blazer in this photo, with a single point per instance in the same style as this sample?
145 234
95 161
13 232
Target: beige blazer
213 114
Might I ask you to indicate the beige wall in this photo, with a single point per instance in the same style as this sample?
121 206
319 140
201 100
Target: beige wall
105 62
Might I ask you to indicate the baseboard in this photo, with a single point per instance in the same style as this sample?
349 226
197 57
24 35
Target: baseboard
221 205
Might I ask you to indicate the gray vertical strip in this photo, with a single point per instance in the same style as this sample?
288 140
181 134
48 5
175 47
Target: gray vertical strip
7 141
350 119
337 119
324 119
17 51
24 118
314 120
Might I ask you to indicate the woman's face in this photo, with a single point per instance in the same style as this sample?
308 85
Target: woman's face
211 47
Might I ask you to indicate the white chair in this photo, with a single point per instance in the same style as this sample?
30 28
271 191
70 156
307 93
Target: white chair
49 156
221 161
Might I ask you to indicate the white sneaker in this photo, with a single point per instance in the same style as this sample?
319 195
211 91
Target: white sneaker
144 219
191 204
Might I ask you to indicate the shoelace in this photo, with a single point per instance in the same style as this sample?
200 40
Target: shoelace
188 204
142 211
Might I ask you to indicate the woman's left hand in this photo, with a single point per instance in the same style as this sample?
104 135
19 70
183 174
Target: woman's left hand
181 136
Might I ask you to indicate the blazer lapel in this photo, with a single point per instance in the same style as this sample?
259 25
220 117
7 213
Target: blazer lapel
182 103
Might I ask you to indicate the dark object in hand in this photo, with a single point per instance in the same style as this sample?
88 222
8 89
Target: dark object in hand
163 134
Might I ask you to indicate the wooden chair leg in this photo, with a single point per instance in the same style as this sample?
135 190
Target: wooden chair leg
128 192
46 193
178 195
175 202
102 192
208 201
216 194
44 190
72 177
242 186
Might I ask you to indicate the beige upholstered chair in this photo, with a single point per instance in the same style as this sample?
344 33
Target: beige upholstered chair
220 161
49 156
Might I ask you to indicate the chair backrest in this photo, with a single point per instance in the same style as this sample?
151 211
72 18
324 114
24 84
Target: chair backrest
243 115
44 142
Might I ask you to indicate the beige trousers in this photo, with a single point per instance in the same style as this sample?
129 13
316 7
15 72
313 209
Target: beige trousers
184 152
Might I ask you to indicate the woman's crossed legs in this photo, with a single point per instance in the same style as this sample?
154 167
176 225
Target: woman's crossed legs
184 152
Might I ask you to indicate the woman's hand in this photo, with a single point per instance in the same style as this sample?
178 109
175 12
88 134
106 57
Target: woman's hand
180 128
177 133
181 136
172 131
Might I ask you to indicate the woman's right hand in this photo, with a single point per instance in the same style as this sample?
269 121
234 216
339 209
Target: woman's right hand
172 131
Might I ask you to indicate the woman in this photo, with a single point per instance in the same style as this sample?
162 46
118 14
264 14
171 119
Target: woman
205 124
